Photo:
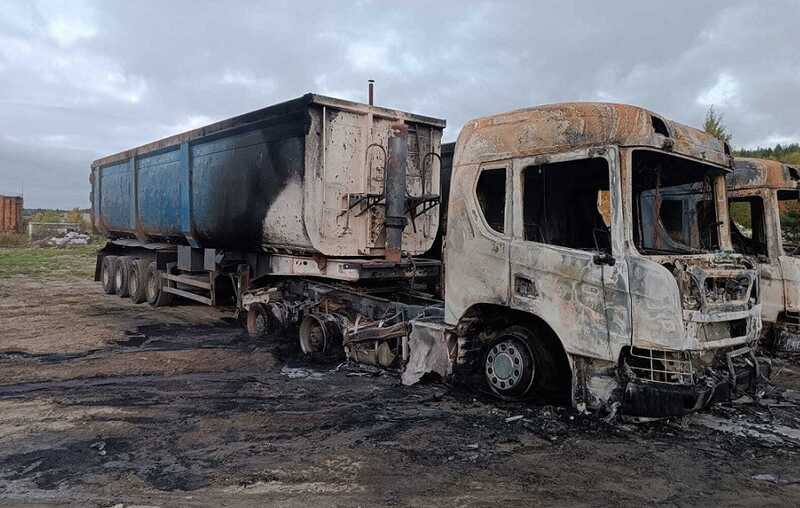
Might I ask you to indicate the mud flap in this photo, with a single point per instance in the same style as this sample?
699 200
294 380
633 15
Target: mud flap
428 352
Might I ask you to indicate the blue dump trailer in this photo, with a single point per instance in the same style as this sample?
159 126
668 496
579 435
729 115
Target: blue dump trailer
300 188
299 176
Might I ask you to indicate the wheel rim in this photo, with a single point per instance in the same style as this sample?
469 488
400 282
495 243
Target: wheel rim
509 367
118 278
262 324
257 322
313 334
152 287
133 282
106 275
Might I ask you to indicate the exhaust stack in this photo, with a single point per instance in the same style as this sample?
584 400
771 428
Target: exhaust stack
395 193
371 91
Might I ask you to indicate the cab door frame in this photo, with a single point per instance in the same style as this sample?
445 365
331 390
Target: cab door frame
772 284
584 299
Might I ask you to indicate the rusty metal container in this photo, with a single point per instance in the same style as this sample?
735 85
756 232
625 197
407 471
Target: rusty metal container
10 214
303 176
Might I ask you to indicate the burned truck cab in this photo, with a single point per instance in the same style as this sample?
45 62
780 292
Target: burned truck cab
763 196
588 246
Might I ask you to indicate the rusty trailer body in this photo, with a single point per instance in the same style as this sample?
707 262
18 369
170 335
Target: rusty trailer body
11 214
757 192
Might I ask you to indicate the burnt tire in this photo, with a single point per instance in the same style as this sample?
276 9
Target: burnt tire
107 269
517 365
121 276
258 321
137 282
155 296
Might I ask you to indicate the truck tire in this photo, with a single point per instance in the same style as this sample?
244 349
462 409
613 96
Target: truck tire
121 276
516 365
107 269
155 296
258 321
137 270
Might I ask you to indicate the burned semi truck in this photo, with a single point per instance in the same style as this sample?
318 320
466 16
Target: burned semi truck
562 272
764 200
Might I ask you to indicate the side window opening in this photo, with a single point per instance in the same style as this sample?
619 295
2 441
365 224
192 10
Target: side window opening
491 194
748 233
789 208
566 204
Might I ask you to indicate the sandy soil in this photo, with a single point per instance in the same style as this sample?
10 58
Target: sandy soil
104 402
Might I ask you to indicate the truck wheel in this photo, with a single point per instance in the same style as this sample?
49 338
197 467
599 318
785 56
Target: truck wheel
137 270
258 321
516 365
155 296
121 276
107 269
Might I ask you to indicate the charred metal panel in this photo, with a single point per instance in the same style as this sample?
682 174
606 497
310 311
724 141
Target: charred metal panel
790 269
446 171
236 179
656 306
477 257
763 173
346 158
558 127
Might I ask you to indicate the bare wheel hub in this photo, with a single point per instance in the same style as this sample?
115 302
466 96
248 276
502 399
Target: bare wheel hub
133 283
118 276
508 365
152 287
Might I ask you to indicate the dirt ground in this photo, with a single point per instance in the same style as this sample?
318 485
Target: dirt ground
106 403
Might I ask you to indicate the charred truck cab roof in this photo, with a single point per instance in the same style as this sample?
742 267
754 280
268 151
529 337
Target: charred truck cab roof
585 217
759 190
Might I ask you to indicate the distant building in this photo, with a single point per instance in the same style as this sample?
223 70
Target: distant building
10 214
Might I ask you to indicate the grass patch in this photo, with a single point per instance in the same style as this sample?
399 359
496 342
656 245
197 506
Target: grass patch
76 260
13 240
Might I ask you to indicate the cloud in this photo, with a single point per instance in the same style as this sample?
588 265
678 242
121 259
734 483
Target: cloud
82 79
724 92
66 32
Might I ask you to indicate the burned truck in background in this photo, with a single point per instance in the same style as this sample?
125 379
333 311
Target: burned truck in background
559 275
764 200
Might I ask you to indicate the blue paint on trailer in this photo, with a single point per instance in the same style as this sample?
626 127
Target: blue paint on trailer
211 190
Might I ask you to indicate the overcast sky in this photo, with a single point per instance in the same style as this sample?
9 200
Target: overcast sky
79 80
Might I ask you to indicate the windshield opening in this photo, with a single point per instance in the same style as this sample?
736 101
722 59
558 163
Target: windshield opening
789 207
673 202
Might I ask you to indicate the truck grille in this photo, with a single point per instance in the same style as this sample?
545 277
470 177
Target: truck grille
659 366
